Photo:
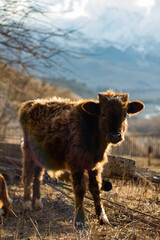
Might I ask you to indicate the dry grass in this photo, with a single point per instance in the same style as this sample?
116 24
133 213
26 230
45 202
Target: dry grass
55 220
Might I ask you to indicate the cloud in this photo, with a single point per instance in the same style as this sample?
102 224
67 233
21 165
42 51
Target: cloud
69 9
148 4
120 21
93 8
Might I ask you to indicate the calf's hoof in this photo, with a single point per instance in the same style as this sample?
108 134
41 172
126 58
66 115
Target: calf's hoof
79 221
103 219
37 203
27 205
79 225
10 200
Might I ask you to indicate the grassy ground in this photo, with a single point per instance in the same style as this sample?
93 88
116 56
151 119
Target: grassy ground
55 220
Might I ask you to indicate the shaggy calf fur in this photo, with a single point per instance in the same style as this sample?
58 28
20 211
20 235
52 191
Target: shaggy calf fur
59 134
5 201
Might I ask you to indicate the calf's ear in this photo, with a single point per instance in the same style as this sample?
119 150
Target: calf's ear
135 107
92 108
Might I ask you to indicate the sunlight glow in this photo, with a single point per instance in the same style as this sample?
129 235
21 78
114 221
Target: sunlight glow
148 4
71 9
145 3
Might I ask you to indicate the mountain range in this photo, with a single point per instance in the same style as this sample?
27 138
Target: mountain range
102 68
107 67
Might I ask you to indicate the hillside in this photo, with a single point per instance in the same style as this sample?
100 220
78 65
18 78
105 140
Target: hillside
141 125
78 88
107 67
103 67
16 88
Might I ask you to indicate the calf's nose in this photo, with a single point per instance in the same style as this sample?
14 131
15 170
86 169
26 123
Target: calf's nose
116 137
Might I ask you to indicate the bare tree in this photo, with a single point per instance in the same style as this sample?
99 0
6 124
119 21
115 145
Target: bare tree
27 41
30 43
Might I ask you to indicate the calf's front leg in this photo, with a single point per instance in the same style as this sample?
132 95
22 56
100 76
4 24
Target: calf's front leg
94 187
79 187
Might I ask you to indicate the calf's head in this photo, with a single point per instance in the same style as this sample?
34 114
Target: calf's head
112 110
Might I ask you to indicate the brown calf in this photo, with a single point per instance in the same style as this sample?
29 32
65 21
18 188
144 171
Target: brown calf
59 134
5 201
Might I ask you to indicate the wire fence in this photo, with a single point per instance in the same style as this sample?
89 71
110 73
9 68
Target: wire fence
144 148
11 135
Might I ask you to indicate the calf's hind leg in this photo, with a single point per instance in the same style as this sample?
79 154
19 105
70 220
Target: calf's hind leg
28 167
38 173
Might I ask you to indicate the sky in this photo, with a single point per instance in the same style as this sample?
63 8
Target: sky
124 22
121 23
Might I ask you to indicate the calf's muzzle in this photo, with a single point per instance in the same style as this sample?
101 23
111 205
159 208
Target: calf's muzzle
116 137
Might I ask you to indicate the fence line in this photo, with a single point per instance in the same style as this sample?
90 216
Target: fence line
11 135
143 147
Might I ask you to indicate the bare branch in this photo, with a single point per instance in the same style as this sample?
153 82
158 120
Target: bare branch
26 43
